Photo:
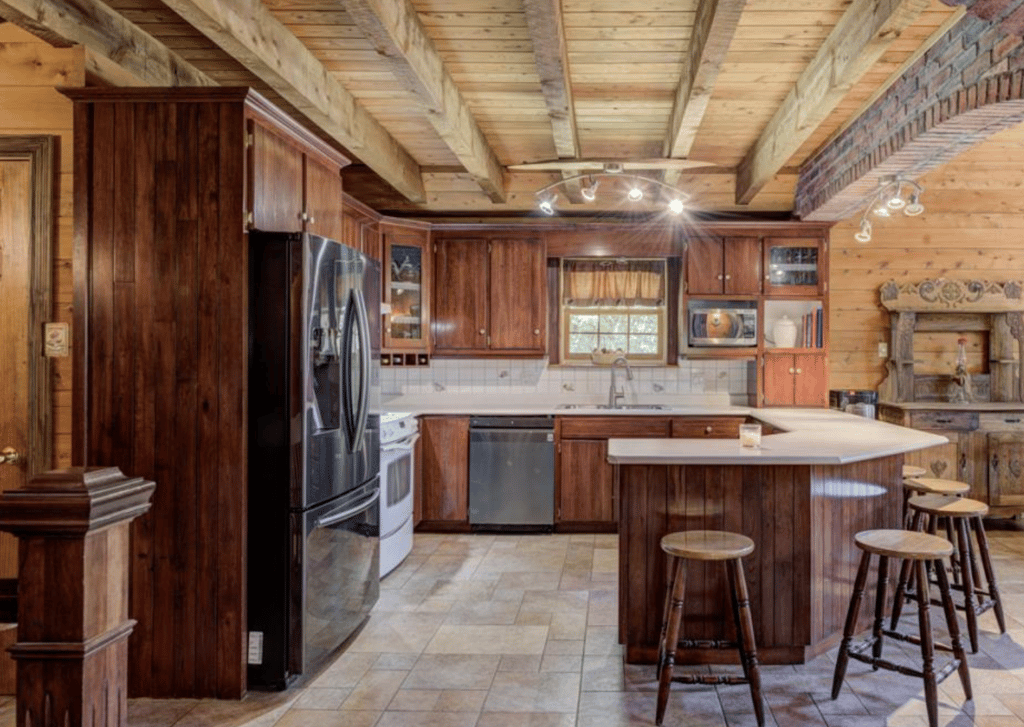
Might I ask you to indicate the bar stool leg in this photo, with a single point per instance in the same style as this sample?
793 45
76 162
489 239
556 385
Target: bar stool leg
876 629
990 576
843 657
734 602
748 646
957 644
671 639
673 567
931 690
958 555
967 583
904 578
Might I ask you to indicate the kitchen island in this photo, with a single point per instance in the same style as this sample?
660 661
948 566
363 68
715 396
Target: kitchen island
801 497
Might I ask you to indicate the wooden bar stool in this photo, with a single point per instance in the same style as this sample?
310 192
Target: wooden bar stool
917 549
959 515
707 545
929 486
912 470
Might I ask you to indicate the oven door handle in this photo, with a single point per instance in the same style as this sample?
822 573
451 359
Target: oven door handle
334 517
406 444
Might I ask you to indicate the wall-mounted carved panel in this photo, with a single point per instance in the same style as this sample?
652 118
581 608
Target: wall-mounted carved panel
939 294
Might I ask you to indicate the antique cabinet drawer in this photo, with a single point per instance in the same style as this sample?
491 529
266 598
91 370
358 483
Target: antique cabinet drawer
615 426
1002 421
959 420
707 427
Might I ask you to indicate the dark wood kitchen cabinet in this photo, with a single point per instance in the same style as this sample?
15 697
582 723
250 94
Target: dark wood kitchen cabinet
165 181
795 379
444 472
723 265
294 188
490 296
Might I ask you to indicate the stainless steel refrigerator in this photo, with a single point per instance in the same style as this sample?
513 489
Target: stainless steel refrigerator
314 451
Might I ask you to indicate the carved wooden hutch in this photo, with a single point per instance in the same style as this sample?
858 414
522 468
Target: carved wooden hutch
985 431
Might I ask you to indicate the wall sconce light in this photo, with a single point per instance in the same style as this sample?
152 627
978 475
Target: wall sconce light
890 198
637 188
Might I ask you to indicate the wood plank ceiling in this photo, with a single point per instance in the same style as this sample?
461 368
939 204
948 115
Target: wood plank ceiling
437 98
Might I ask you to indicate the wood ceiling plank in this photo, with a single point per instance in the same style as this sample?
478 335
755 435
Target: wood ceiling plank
715 24
855 43
248 32
106 33
544 19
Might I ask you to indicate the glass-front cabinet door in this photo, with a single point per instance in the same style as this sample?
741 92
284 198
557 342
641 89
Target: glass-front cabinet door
406 288
793 266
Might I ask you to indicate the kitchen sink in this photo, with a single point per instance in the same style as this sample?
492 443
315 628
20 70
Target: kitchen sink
641 407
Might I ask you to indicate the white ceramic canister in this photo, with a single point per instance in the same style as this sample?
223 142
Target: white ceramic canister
784 332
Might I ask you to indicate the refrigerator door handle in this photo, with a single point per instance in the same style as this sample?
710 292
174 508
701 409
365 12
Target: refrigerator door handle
363 321
349 411
335 517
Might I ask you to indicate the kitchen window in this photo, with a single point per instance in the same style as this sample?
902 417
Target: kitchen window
613 305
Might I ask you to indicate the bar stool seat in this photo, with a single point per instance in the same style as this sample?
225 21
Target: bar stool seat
958 515
729 549
936 486
915 549
912 470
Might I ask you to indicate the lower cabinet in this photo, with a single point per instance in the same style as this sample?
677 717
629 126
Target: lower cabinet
795 379
587 494
444 470
1006 470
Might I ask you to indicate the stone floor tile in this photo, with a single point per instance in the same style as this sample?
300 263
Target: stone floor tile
320 718
514 691
452 671
427 719
520 662
488 640
374 691
559 662
325 698
526 719
461 700
414 700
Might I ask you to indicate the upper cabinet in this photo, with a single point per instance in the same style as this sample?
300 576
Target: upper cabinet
406 272
795 266
293 187
490 295
723 265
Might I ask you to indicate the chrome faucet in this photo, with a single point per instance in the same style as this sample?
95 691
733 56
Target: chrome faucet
616 394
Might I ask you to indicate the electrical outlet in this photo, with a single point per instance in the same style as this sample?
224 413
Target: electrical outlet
883 349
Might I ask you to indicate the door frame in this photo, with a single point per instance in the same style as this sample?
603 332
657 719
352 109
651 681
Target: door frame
42 153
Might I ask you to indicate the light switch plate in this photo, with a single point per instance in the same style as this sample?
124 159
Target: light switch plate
57 338
255 647
883 349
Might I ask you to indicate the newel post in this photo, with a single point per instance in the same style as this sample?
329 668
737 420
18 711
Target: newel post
72 651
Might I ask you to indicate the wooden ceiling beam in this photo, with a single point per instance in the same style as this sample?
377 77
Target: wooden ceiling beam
89 23
544 19
714 27
248 32
397 33
858 40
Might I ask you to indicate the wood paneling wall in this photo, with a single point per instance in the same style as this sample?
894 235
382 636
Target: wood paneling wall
162 291
29 70
971 228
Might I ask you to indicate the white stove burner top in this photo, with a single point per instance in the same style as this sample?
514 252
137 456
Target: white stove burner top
396 425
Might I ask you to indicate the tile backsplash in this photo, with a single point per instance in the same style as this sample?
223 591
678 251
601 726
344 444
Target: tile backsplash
482 376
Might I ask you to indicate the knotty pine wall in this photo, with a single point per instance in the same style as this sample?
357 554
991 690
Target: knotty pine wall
29 71
973 227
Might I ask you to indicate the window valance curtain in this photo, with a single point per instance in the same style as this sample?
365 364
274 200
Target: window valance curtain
613 282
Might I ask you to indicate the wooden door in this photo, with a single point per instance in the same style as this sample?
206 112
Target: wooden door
742 265
460 295
518 295
705 274
942 461
793 266
1005 469
25 422
276 181
586 482
445 468
810 379
323 203
779 380
406 272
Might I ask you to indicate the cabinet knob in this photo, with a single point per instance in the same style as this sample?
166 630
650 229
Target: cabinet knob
799 371
536 331
707 429
728 277
791 370
767 277
483 332
719 277
303 216
310 219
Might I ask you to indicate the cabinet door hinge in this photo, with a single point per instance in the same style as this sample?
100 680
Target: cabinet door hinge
248 220
826 286
488 342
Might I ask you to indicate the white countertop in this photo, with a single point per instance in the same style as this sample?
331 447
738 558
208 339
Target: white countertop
812 436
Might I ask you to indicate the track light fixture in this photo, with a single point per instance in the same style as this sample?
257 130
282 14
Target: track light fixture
637 187
889 198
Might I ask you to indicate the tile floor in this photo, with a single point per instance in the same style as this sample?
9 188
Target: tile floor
519 631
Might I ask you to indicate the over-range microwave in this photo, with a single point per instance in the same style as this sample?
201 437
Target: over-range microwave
721 323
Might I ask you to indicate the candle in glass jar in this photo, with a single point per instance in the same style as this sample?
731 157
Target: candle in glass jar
750 435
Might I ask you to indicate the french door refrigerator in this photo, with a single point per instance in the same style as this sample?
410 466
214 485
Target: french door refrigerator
314 451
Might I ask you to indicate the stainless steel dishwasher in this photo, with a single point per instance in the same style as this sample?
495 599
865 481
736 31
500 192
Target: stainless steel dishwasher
512 472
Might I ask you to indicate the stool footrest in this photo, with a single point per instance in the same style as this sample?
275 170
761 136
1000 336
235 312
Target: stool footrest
915 640
940 676
695 678
706 644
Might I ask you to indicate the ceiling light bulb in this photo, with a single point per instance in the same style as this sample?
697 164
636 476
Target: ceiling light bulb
865 232
546 206
675 206
635 194
896 202
881 211
915 207
590 193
